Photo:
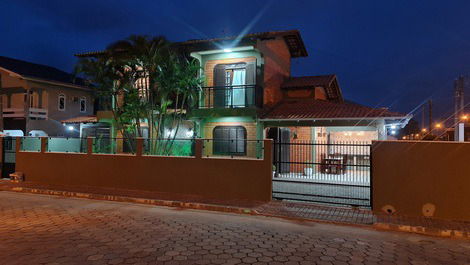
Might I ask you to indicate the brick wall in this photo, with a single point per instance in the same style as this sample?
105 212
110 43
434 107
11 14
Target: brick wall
276 68
300 153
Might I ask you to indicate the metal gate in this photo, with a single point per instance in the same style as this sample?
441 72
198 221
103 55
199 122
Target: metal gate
336 173
8 156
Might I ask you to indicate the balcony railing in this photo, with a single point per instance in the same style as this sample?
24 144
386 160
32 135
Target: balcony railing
240 96
20 113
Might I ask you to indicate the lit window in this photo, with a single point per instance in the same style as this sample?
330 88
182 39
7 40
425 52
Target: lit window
83 104
61 102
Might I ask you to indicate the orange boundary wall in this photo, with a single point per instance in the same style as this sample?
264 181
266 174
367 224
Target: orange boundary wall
218 178
419 178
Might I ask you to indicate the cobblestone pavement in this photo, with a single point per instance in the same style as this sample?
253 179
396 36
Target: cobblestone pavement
37 229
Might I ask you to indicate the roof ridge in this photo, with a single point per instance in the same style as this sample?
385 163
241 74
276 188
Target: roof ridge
31 63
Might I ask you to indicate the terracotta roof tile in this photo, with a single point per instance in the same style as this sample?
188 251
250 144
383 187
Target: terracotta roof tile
296 109
308 81
81 119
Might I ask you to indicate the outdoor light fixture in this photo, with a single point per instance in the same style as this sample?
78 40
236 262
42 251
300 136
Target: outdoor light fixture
424 130
393 132
464 117
227 50
70 128
438 125
393 127
189 133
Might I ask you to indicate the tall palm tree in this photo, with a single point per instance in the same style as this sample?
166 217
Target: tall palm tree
148 81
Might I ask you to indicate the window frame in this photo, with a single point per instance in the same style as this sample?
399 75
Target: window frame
64 97
236 153
80 100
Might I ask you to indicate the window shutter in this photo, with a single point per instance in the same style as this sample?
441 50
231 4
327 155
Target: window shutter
219 83
250 73
241 137
250 80
229 140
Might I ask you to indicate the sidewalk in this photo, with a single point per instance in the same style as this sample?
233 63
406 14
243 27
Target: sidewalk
281 209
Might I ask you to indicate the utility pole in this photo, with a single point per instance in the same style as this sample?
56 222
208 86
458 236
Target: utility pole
430 114
459 84
423 116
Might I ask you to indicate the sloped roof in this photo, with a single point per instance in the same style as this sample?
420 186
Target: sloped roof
292 38
329 82
308 81
81 119
39 71
306 108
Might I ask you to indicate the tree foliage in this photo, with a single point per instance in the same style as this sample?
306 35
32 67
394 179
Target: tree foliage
146 83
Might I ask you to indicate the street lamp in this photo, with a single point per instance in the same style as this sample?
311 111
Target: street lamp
424 130
438 125
464 117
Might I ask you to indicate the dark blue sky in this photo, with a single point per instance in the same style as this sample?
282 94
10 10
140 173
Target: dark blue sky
385 53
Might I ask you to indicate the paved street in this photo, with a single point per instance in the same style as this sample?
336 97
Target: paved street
36 229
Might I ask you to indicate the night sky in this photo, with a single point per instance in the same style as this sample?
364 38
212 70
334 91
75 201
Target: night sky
386 53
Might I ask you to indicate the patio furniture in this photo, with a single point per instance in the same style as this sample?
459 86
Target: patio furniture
334 164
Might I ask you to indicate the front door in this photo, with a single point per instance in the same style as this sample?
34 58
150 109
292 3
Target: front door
281 151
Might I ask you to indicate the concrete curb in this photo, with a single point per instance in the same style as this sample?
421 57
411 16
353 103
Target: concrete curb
429 231
246 211
174 204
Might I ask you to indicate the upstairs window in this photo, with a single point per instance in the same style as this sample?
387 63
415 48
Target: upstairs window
61 102
229 140
83 104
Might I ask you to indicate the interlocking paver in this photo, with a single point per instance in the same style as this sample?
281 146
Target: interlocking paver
78 231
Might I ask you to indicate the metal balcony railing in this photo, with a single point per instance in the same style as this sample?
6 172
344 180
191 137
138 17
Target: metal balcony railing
37 113
240 96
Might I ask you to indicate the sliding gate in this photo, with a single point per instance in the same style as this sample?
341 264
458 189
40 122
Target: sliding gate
336 173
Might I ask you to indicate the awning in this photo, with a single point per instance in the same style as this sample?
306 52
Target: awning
81 119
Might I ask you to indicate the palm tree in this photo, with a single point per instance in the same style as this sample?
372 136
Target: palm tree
147 81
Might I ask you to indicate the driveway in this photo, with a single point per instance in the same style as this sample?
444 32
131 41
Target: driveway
37 229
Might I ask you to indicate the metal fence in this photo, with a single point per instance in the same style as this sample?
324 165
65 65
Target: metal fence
325 172
238 96
169 147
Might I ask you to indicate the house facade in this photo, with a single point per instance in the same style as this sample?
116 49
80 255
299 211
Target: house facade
37 98
250 94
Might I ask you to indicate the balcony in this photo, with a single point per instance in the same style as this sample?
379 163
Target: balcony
231 97
34 113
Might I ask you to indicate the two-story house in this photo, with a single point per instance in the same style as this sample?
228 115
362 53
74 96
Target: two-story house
37 98
250 94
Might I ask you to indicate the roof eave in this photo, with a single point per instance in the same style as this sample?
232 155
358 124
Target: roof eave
407 117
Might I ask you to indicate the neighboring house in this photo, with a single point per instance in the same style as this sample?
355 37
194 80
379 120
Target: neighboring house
249 94
37 98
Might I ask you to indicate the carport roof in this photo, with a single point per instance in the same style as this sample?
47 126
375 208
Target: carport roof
311 109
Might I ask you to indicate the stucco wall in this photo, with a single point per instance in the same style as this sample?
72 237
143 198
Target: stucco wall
50 93
422 178
228 179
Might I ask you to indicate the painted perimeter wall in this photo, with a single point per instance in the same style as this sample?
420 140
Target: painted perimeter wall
422 178
218 178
